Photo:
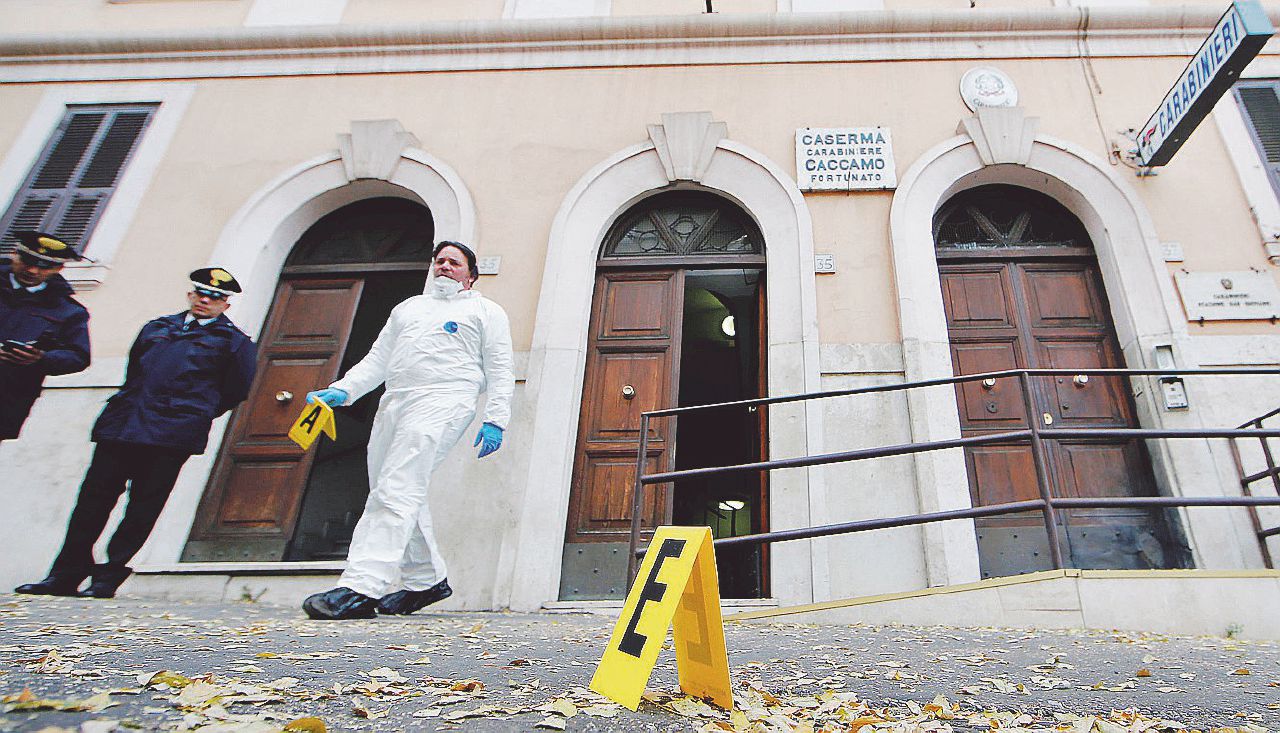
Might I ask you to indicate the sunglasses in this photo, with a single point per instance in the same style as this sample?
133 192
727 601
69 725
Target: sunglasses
33 261
210 294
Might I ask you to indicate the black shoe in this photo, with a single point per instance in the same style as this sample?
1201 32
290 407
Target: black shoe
405 602
106 580
57 584
339 604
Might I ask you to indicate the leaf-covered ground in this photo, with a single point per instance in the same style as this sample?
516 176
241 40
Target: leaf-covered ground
129 664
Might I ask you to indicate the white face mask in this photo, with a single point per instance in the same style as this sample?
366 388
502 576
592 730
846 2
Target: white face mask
444 287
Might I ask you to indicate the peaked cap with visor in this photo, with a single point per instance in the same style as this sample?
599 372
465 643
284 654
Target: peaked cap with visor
45 249
214 281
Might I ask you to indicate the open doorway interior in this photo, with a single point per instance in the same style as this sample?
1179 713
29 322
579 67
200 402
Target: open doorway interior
338 483
719 362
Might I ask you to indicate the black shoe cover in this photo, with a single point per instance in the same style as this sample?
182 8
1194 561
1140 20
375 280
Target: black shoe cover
405 602
340 604
56 584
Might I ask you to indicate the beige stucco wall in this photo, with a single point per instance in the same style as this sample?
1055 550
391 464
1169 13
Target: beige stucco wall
359 12
536 141
43 16
239 134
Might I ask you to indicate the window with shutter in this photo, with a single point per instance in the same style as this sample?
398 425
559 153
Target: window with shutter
1261 106
76 173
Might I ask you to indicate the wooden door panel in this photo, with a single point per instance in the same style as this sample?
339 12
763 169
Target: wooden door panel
1001 474
1098 469
635 306
976 298
611 415
1100 401
1062 297
250 506
256 493
267 421
315 314
997 406
611 478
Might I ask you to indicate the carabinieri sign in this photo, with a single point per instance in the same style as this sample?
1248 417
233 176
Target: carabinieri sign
1238 37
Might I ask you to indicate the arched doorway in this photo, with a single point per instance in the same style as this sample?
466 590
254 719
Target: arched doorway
677 319
266 500
1021 288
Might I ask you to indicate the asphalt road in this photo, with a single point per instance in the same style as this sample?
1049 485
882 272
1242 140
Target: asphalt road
253 667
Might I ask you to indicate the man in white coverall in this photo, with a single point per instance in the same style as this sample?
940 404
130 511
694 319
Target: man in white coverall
437 353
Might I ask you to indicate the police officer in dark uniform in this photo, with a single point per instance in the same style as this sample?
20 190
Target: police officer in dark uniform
184 371
43 330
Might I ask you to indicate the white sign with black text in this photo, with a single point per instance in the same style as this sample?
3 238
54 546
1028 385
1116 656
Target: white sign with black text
1229 296
844 159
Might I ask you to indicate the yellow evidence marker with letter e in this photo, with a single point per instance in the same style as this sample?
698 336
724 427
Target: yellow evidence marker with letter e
316 418
676 588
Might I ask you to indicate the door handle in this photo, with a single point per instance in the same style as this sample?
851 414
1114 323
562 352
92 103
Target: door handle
628 392
1080 380
284 396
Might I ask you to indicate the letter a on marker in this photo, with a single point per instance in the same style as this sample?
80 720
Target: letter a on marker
676 588
316 418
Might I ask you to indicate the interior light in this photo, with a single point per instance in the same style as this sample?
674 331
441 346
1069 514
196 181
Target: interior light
732 505
727 326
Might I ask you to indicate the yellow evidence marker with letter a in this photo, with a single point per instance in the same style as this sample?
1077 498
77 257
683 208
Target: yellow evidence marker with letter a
316 418
676 588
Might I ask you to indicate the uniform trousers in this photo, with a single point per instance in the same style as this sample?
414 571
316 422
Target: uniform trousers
149 472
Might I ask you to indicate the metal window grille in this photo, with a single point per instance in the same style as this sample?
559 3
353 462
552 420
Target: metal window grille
68 188
998 216
1261 106
683 224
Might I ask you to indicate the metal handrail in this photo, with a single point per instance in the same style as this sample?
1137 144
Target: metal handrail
1034 433
940 381
1246 480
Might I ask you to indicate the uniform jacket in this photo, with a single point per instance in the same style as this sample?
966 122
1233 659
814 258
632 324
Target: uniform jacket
52 317
177 382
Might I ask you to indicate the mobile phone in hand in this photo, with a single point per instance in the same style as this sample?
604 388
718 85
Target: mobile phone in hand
12 344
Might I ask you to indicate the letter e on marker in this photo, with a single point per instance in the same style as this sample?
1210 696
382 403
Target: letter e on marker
676 589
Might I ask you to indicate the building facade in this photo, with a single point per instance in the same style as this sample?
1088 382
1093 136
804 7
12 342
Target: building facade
675 207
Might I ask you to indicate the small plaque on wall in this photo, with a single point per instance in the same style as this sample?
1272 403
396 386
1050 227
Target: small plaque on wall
845 159
1239 295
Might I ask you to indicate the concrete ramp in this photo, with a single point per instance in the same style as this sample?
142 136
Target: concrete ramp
1241 603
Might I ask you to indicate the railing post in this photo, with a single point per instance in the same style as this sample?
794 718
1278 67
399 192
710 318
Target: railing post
637 500
1042 472
1271 461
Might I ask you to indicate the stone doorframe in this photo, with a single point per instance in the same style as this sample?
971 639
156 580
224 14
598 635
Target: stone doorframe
686 151
377 158
1002 145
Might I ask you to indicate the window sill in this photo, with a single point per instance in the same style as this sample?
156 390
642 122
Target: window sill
85 277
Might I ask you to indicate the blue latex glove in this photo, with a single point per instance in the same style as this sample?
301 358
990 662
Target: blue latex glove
491 436
329 395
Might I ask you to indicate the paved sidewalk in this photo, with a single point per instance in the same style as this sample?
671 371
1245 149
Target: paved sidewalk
253 667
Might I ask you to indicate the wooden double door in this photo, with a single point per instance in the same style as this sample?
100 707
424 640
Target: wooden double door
1052 313
266 498
639 329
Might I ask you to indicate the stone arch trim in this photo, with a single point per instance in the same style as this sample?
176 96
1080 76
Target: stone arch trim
259 236
254 244
1144 306
532 556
